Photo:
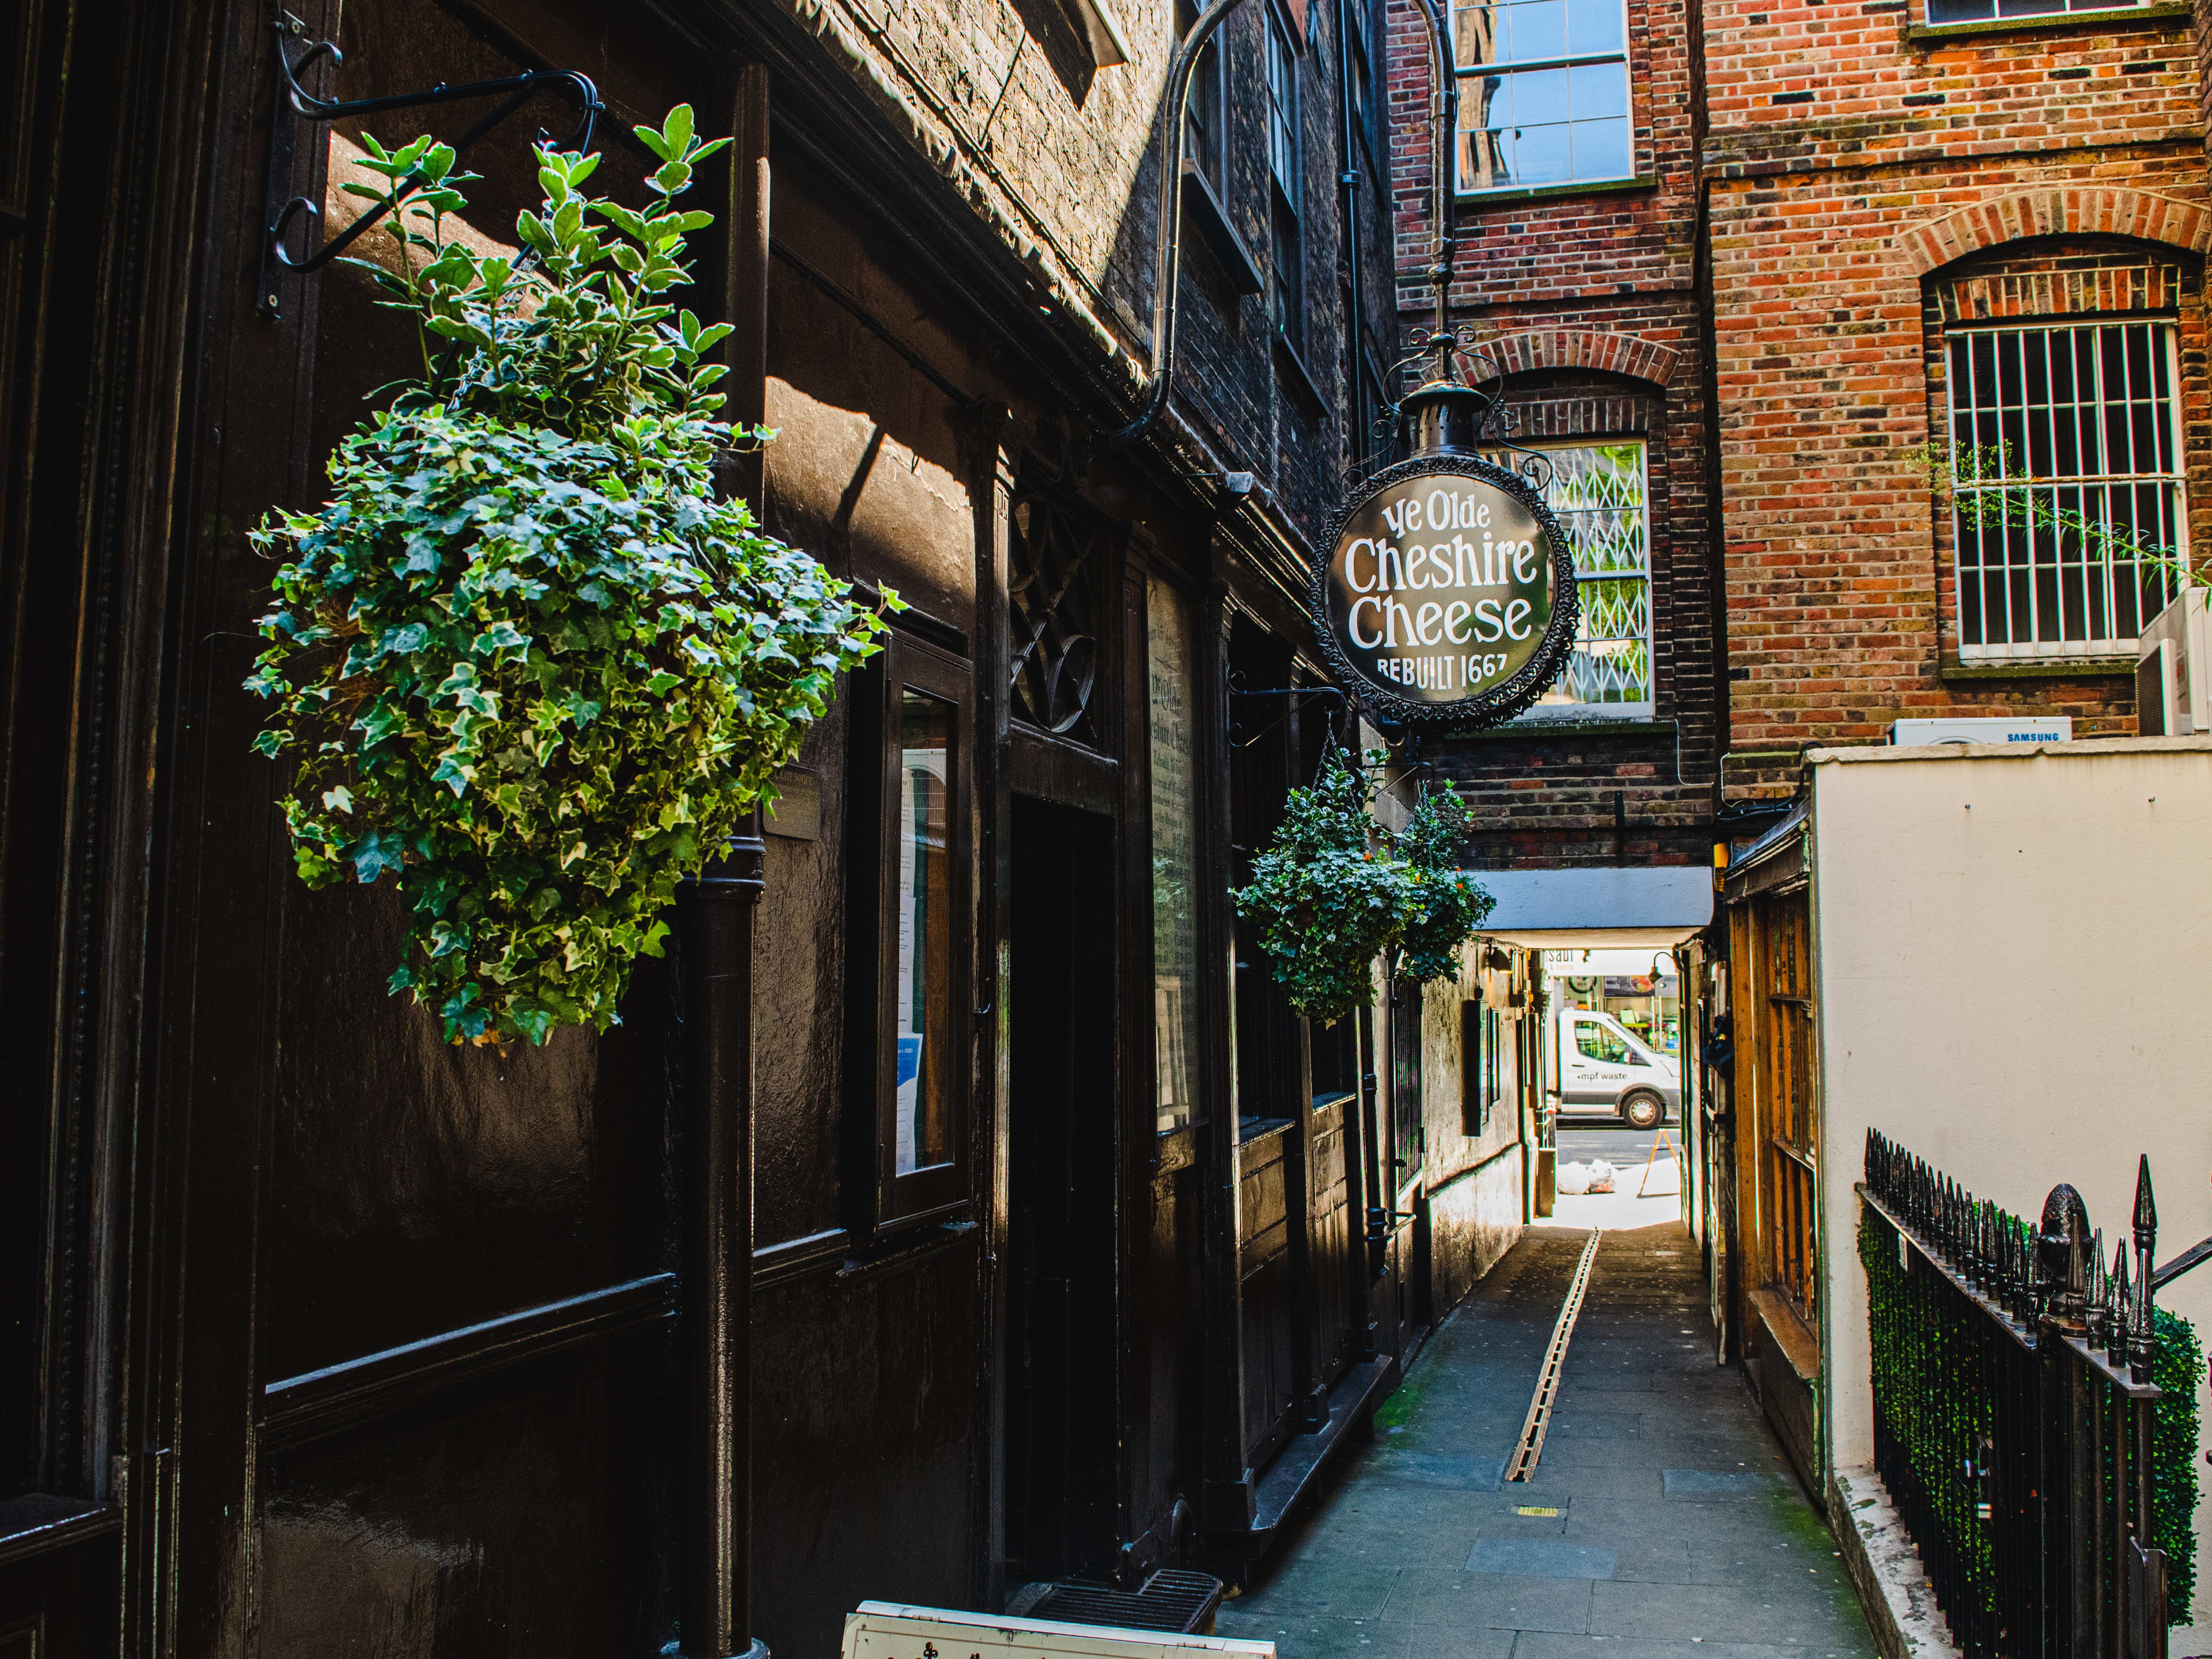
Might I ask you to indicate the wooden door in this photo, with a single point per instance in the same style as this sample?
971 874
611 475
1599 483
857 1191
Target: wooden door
1063 1409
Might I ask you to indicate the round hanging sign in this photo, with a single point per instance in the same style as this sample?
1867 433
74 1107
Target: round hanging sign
1449 597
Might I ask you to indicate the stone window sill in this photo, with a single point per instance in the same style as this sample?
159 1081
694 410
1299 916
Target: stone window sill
1476 198
2155 17
1528 731
1204 210
2029 668
1292 368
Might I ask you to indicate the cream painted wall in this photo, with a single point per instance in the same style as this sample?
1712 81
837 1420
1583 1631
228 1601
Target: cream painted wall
2013 951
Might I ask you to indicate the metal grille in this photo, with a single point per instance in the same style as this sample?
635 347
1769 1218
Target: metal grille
1055 647
1181 1602
2066 459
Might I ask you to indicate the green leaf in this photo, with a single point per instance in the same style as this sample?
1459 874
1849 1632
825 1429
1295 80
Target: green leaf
522 649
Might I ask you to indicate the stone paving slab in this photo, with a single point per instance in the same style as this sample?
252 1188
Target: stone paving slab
1676 1531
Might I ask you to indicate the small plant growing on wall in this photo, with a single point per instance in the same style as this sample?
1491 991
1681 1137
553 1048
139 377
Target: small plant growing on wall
1334 891
523 664
1985 485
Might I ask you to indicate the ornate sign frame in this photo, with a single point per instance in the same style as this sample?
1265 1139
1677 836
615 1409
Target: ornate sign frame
1499 702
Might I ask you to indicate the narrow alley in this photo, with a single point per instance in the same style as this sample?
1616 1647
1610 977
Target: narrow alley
1661 1520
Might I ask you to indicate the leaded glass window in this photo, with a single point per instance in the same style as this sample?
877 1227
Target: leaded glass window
1598 495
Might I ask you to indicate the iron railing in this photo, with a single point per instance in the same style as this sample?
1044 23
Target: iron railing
2013 1412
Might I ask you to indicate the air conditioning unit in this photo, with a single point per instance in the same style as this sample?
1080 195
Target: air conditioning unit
2173 675
2033 728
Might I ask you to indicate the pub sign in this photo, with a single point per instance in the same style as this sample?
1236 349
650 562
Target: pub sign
1448 599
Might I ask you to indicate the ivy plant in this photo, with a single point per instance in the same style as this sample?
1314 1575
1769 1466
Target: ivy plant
1334 890
523 664
1449 907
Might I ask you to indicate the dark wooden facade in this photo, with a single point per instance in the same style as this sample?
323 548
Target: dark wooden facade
322 1337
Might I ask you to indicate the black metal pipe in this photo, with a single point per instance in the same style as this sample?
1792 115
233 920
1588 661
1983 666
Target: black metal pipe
717 917
1444 143
1167 241
1348 179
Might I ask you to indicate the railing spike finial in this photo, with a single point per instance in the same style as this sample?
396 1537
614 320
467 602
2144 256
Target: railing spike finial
2121 1319
2146 1206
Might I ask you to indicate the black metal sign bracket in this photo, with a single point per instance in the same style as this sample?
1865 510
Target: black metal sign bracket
294 99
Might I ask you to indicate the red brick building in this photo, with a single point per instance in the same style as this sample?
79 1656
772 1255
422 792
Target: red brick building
1816 261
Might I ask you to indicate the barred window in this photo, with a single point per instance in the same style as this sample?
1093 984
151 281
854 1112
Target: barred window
2065 454
1543 92
1598 495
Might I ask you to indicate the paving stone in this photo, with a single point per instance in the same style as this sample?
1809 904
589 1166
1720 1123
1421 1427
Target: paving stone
1503 1601
1351 1590
1539 1558
1678 1516
1699 1486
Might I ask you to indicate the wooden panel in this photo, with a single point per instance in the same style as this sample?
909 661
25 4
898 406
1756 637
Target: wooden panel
1336 1331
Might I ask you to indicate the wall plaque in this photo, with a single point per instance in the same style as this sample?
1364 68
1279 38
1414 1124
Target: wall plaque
1449 596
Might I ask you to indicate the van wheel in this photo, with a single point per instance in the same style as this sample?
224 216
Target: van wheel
1642 1111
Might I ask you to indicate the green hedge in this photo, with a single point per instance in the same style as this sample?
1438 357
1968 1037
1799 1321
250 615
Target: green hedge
1915 1384
2178 1367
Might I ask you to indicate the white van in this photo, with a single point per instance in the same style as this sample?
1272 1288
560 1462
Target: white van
1603 1067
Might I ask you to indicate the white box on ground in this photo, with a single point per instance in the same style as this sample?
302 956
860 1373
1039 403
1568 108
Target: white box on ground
2174 675
2035 728
885 1630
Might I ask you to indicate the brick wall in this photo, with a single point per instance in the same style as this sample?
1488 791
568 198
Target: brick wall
1060 159
1586 300
1836 162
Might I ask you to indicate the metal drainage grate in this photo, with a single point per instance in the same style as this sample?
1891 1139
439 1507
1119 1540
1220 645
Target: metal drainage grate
1182 1602
1522 1463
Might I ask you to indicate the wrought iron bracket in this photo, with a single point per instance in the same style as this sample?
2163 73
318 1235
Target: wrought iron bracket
294 100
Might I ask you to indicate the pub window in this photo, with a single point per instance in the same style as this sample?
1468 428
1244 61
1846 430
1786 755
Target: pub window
1287 295
1206 124
2066 465
910 724
1543 93
1482 1063
1599 495
1169 634
1405 1083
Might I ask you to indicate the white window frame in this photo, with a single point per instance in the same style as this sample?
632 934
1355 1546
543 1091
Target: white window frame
2011 11
1468 102
2059 650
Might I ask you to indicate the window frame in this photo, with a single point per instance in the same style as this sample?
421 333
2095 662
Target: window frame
1482 1063
1405 1026
1196 1033
1209 81
1508 67
937 1190
2067 10
2168 332
1647 708
1286 128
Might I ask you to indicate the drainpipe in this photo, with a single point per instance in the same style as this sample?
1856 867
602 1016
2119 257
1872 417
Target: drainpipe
716 915
717 968
1167 240
1348 179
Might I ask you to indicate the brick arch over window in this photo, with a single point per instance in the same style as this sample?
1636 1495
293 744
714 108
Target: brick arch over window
2085 210
1557 348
